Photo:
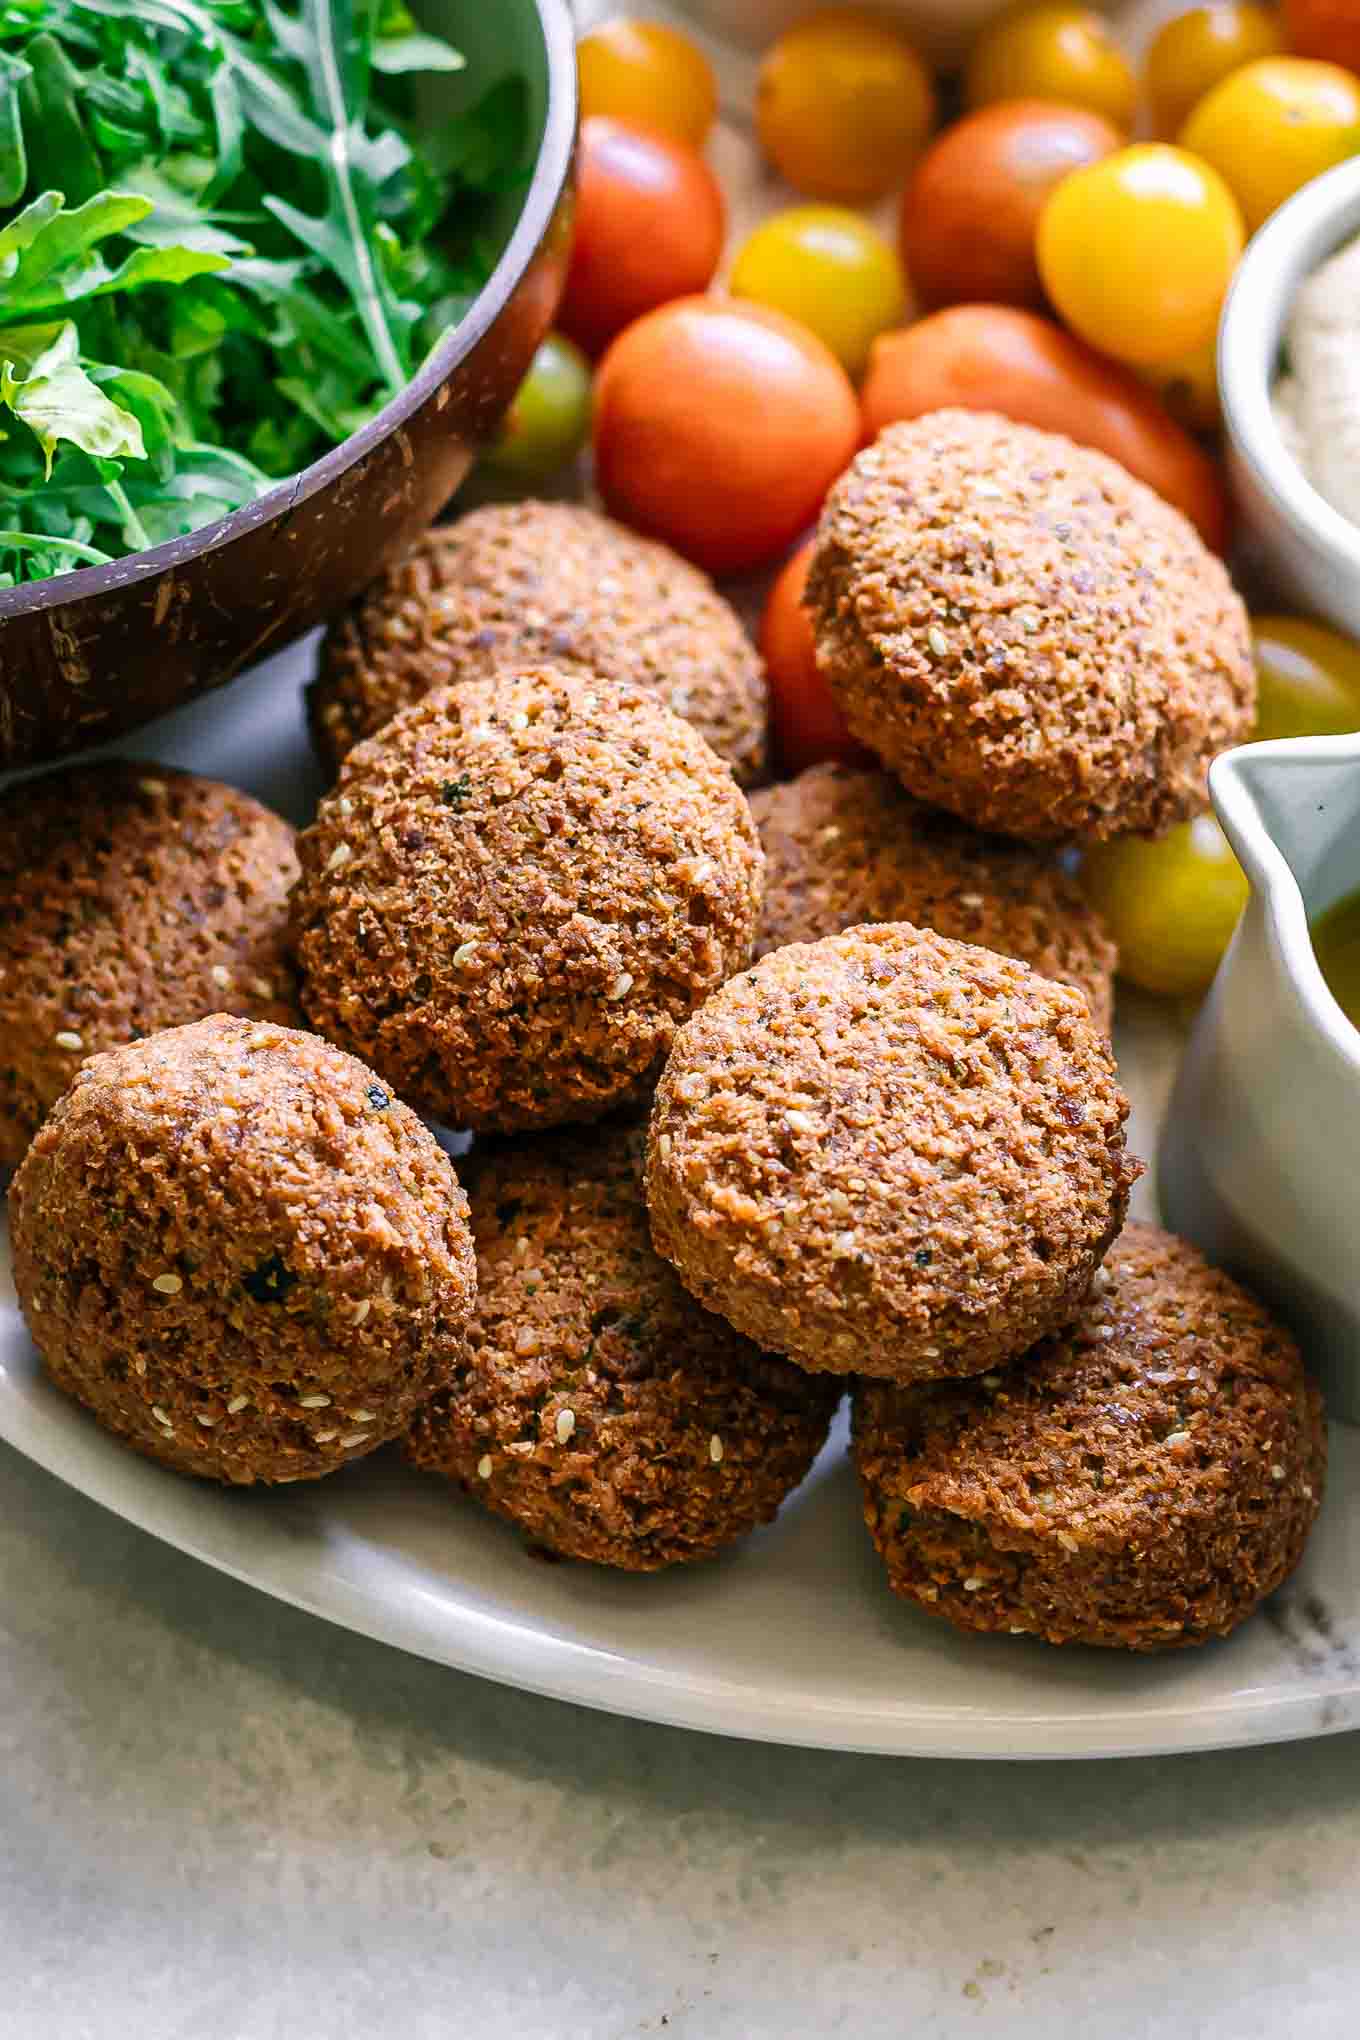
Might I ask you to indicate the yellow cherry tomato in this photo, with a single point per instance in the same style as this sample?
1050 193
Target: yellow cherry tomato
1171 905
1199 49
829 268
1053 52
642 71
1307 678
1273 126
1189 387
1136 252
844 105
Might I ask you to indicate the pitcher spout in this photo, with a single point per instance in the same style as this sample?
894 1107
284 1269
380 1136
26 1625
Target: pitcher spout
1291 810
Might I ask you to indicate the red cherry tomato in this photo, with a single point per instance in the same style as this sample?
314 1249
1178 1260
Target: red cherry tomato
649 227
971 210
719 427
806 726
996 358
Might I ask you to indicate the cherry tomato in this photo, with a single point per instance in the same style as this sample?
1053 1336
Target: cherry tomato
1171 906
806 726
1197 50
720 427
1273 126
1189 387
1053 52
549 421
970 212
1329 29
843 104
1137 252
649 227
829 268
1307 678
992 358
644 72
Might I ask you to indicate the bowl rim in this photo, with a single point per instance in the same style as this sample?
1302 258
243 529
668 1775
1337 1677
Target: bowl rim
546 185
1259 299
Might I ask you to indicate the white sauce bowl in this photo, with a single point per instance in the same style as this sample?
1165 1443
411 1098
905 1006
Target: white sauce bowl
1293 538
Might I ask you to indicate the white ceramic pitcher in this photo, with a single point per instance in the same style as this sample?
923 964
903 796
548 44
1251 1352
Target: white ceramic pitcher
1260 1156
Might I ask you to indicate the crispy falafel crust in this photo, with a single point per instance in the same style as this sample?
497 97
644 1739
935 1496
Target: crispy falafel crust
1142 1480
1025 634
889 1153
599 1407
529 584
845 847
240 1252
519 889
132 897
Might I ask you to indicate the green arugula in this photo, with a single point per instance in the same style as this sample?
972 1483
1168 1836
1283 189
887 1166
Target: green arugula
224 244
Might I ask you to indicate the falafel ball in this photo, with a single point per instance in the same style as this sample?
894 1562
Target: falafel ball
518 891
132 897
599 1406
1025 634
1141 1480
530 584
889 1153
238 1250
844 847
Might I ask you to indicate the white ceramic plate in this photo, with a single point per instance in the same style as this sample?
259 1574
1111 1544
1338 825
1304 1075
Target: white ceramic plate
792 1639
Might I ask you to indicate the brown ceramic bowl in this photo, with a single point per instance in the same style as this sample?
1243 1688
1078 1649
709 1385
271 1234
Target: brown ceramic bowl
94 653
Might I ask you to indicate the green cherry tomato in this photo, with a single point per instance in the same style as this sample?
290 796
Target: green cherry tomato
549 421
1307 677
831 270
1171 905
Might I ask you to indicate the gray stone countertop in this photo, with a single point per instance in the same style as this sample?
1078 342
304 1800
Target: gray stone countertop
222 1820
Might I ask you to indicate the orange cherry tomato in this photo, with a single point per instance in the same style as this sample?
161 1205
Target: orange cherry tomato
1197 50
806 726
993 358
720 426
643 71
650 221
843 104
1329 29
1137 252
1065 53
971 211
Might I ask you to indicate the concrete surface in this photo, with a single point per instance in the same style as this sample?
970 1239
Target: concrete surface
222 1820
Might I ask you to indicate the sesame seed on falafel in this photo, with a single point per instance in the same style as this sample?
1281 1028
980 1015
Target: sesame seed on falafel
528 584
1025 634
235 1258
599 1406
889 1153
844 847
519 889
132 897
1141 1480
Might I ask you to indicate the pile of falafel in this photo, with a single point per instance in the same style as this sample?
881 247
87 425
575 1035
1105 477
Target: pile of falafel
771 1096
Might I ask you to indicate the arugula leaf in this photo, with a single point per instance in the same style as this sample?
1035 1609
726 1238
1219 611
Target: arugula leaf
13 160
253 249
58 401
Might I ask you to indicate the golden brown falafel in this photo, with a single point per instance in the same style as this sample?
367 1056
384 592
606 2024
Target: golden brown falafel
1025 634
1141 1480
132 897
599 1407
844 847
530 584
889 1153
241 1252
518 890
